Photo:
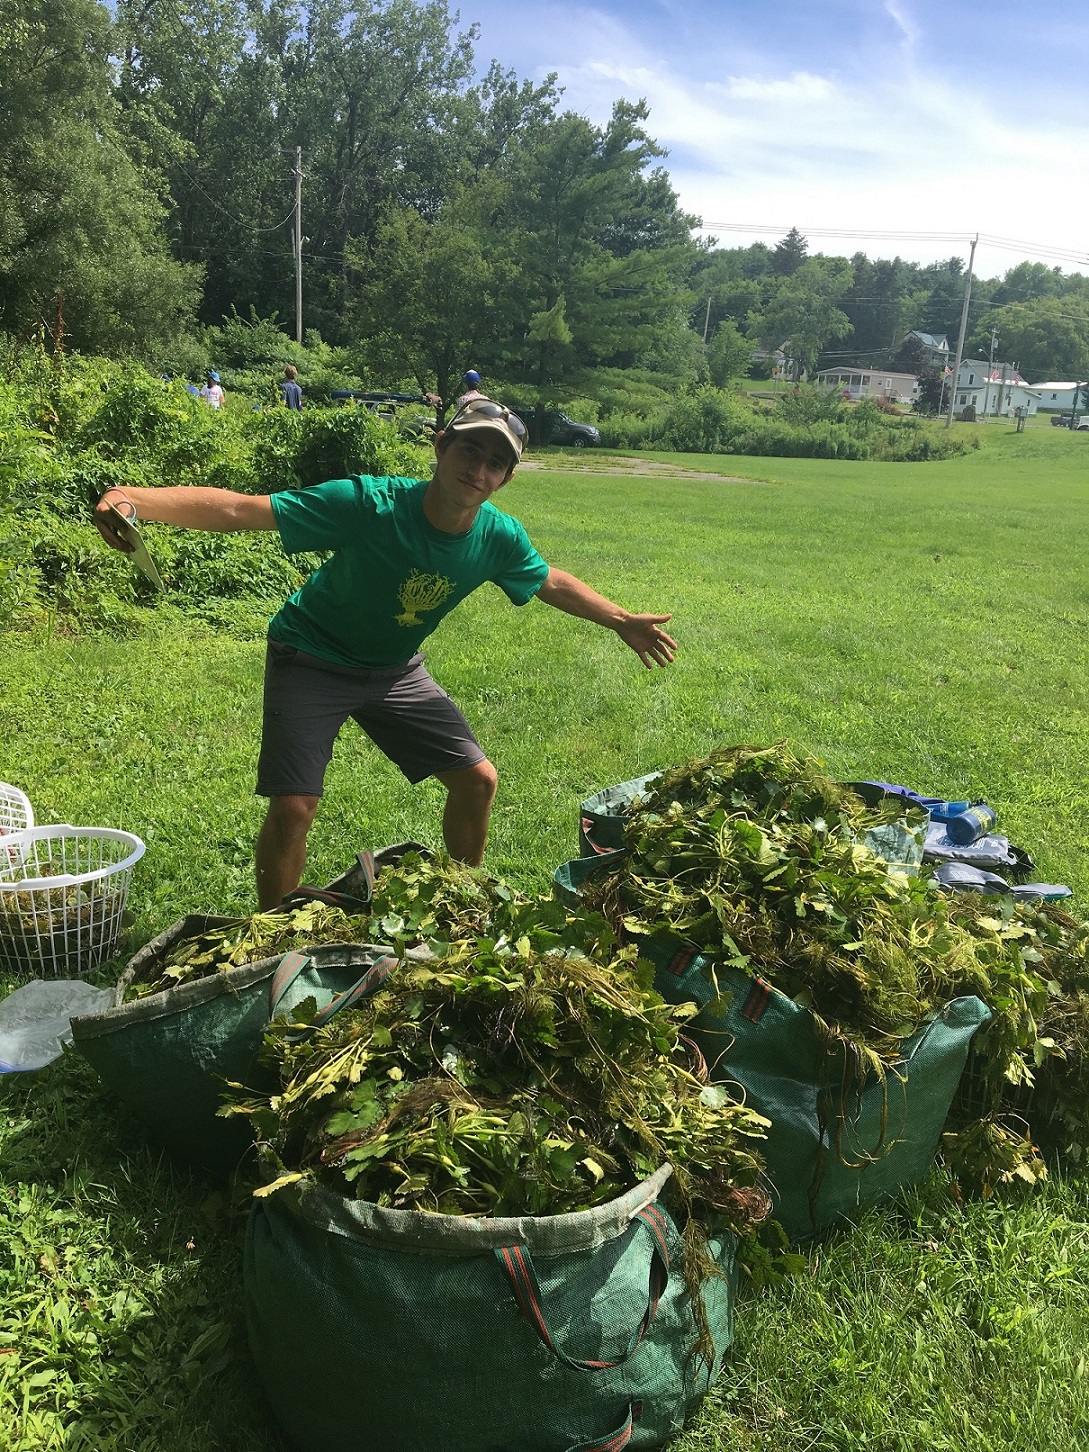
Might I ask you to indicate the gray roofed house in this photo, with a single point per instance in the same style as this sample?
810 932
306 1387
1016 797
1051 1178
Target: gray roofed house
936 345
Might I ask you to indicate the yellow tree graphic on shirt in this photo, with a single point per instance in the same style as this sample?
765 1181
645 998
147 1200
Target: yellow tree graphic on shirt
421 592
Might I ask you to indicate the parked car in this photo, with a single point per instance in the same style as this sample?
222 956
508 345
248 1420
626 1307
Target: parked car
557 428
1060 420
399 408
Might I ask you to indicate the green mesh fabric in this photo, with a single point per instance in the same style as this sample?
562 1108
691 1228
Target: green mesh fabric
826 1158
370 1335
168 1056
602 816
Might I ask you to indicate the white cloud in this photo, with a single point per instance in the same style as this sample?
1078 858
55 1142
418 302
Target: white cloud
799 89
904 21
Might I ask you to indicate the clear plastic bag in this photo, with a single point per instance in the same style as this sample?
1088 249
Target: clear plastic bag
35 1020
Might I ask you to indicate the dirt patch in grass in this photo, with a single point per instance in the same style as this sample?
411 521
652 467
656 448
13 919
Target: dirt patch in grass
634 468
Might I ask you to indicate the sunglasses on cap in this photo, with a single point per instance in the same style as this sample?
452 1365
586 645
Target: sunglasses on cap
486 408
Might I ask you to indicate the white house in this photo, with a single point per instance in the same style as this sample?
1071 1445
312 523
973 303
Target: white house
994 390
1056 397
856 383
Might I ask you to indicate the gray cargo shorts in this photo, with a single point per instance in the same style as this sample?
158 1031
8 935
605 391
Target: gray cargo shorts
406 714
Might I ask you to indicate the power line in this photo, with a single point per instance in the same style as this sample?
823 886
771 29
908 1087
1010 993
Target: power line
245 226
1002 243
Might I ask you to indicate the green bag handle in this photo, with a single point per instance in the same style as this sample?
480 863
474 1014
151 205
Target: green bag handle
292 964
612 1441
517 1264
349 901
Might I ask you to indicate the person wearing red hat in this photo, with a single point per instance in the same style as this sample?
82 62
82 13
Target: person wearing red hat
402 554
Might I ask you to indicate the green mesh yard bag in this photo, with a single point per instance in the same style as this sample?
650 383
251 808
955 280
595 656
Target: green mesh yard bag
602 816
168 1056
833 1147
410 1332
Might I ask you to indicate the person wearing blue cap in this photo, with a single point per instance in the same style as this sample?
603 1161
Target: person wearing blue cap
212 392
471 384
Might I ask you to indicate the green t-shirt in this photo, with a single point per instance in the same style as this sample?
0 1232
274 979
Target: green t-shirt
392 575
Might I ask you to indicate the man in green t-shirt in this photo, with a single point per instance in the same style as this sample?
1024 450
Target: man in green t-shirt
404 553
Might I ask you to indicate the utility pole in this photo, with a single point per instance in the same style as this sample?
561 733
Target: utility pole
706 320
990 370
960 335
298 246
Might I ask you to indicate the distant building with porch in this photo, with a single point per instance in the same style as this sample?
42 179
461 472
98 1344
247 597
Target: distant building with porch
856 383
775 356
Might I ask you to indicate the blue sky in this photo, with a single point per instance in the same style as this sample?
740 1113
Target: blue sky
929 122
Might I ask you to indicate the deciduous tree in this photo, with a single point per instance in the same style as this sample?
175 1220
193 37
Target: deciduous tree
805 310
76 213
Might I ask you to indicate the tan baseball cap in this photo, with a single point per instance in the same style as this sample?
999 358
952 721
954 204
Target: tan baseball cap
484 413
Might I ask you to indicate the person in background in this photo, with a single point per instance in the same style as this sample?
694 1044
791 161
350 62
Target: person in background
290 392
471 384
212 392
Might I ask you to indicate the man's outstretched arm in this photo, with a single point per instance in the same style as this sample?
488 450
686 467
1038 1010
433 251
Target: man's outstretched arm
643 633
197 507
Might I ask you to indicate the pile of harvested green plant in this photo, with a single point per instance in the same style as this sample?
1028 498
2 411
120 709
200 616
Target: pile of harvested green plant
999 1118
243 940
757 859
420 901
492 1083
49 919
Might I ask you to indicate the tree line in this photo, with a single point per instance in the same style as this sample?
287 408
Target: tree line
453 213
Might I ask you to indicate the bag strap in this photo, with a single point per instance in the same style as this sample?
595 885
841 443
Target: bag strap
517 1263
288 969
614 1441
349 901
292 964
374 977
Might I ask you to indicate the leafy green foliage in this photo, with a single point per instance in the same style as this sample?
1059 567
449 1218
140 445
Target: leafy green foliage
336 442
79 220
499 1081
756 859
106 424
807 423
251 342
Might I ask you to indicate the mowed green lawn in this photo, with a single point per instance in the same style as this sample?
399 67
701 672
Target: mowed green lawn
923 624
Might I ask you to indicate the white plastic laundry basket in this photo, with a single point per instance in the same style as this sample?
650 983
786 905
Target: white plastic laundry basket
16 815
62 900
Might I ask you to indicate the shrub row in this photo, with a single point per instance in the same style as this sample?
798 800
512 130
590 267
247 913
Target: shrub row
811 423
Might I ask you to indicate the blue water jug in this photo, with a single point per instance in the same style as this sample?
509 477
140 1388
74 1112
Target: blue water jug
968 826
942 811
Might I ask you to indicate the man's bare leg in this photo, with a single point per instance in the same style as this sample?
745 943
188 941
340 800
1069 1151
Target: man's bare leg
470 793
281 847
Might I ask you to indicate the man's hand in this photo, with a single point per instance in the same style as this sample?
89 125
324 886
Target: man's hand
649 641
106 521
643 633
